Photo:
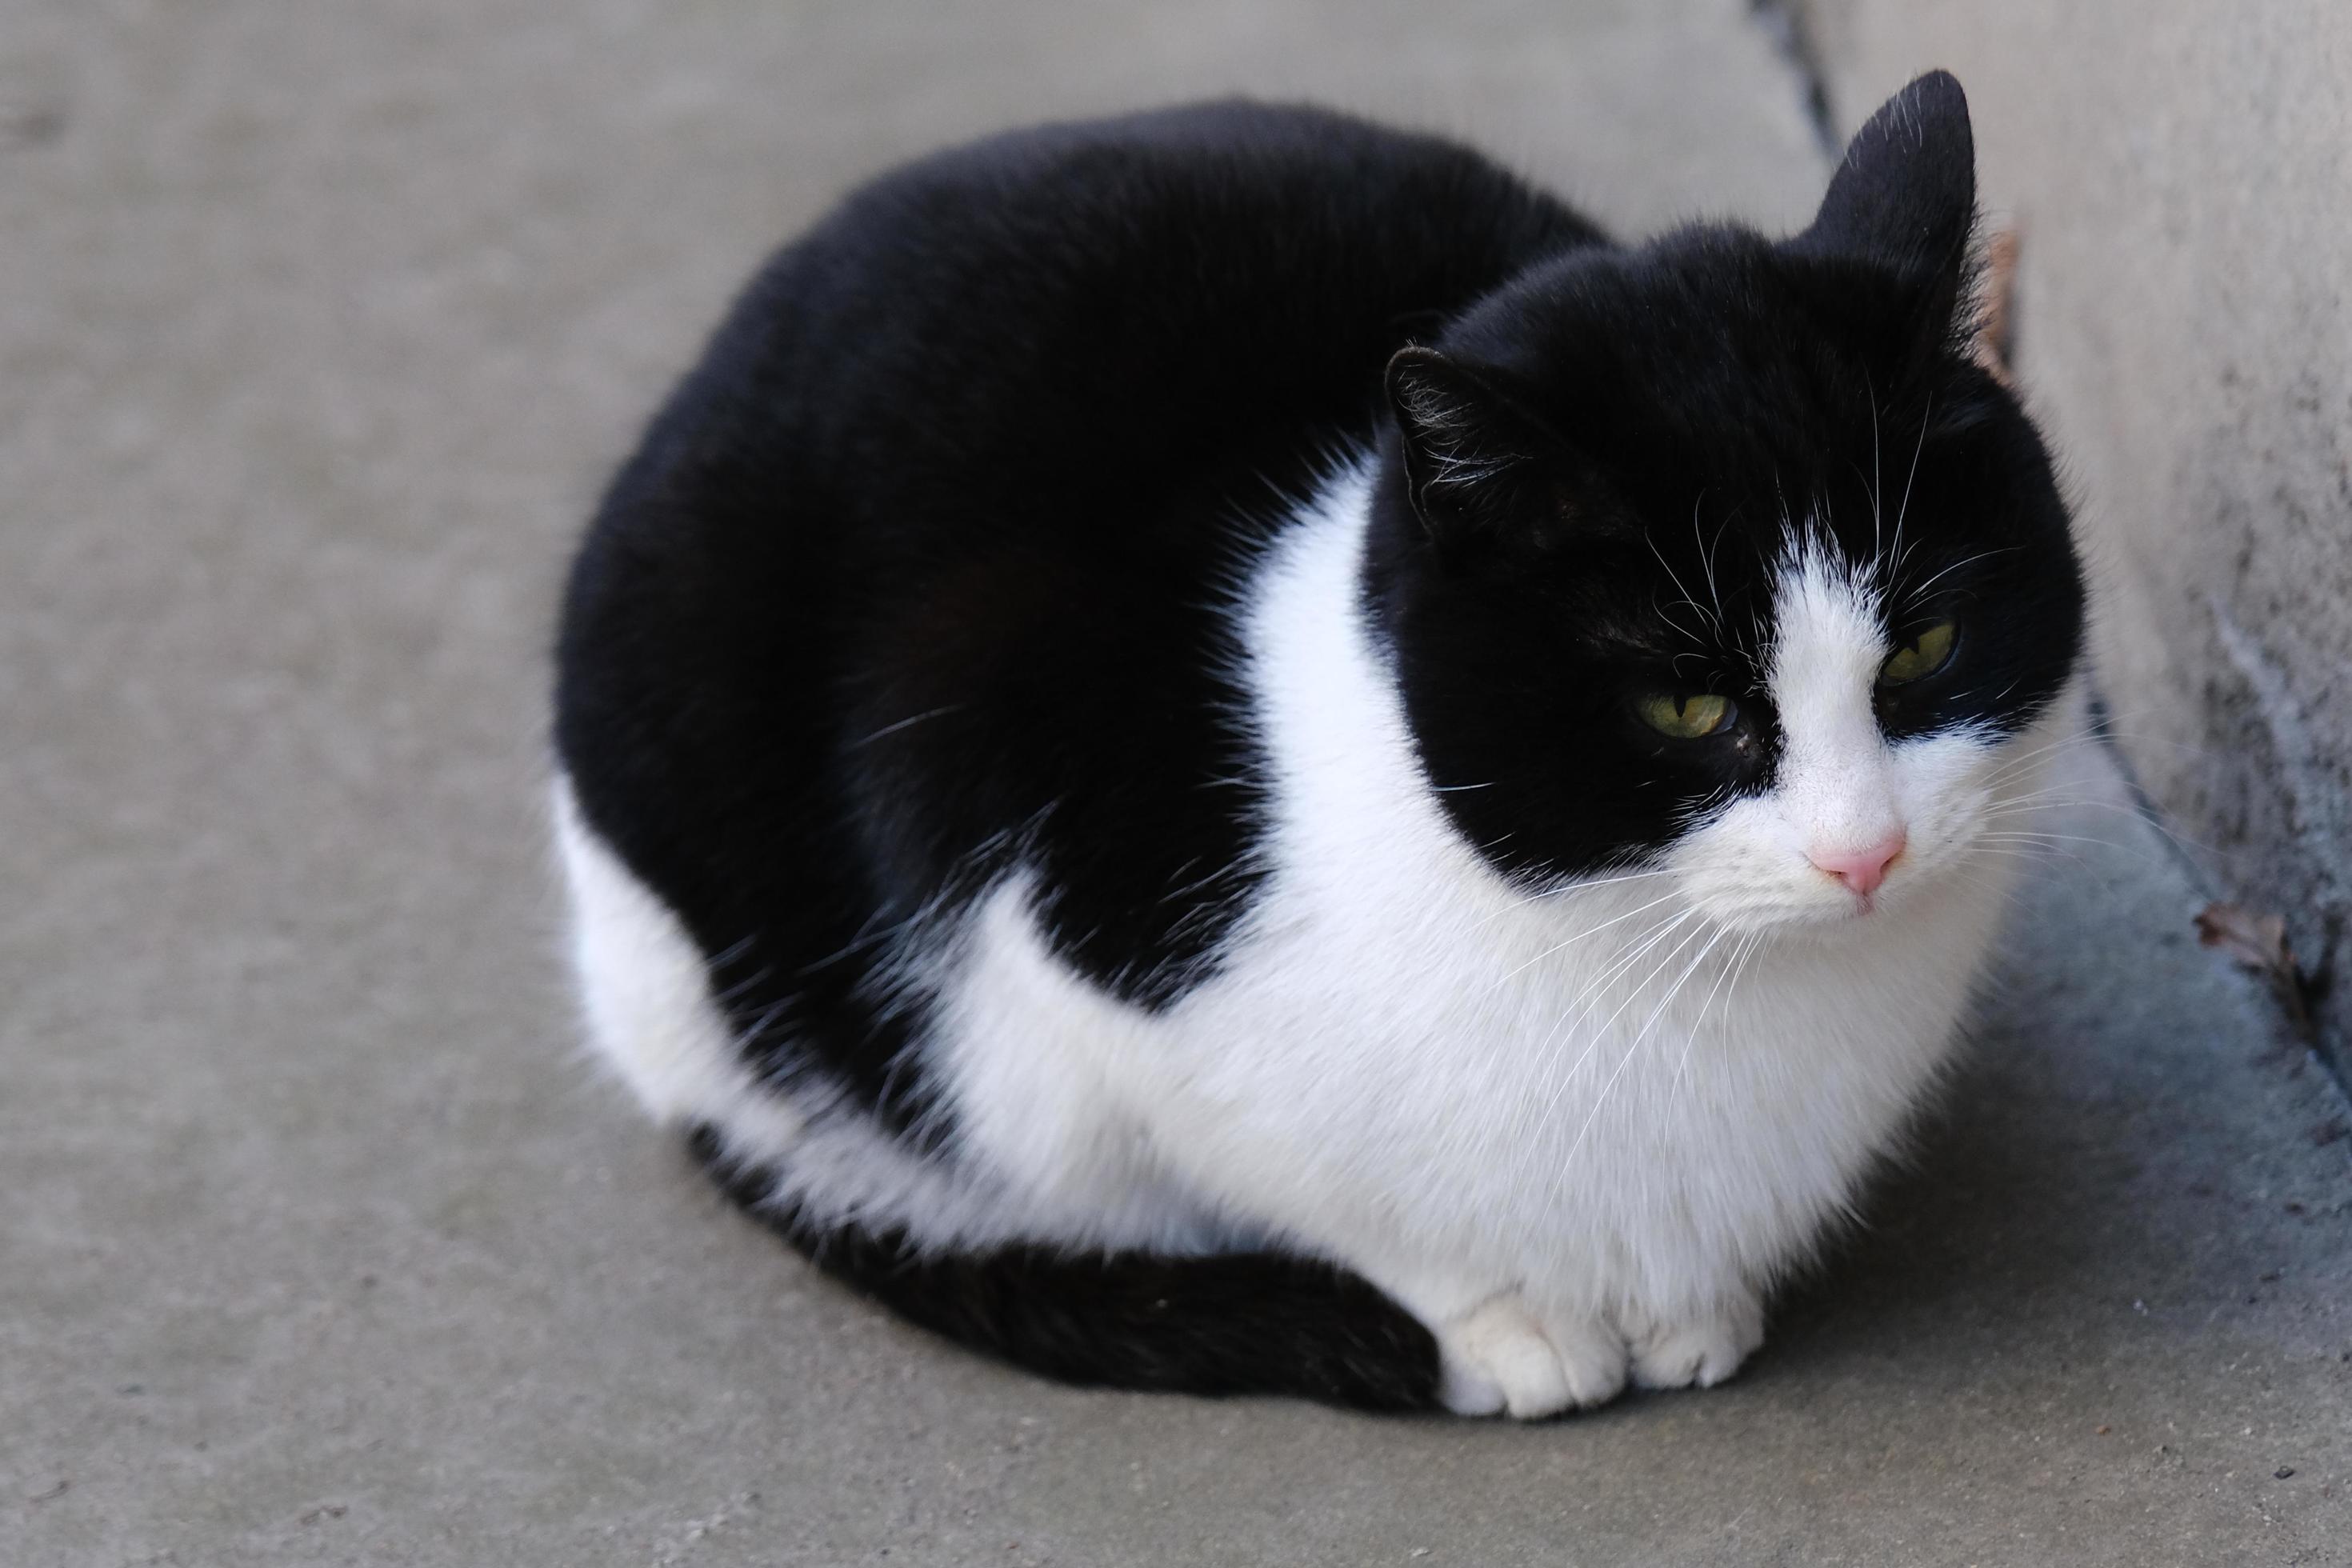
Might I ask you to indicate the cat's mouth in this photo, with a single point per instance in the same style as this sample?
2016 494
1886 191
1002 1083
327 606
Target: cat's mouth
1848 908
1857 905
1834 903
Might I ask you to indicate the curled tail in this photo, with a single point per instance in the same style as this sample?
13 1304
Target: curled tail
1254 1323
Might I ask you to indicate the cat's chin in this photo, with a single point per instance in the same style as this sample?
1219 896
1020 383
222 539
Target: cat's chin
1826 926
1818 919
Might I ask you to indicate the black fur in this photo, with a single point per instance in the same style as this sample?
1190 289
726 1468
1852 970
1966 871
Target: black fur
923 563
1250 1322
926 569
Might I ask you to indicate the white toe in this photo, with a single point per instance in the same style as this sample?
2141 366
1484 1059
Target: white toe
1698 1352
1592 1354
1465 1391
1498 1356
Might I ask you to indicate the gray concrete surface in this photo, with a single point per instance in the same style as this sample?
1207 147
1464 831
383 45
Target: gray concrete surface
319 326
2178 170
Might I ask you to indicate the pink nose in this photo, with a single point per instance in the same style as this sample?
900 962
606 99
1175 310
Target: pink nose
1862 869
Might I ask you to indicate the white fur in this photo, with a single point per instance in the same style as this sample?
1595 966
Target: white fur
1577 1131
650 1013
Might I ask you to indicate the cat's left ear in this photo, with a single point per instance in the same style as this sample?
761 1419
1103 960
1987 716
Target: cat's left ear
1904 200
1472 454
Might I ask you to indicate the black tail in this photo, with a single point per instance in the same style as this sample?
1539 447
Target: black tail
1256 1323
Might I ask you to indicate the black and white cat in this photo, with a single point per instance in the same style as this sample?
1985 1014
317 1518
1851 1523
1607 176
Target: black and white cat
1224 751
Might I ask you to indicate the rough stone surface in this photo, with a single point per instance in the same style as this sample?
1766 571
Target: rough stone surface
321 325
2177 170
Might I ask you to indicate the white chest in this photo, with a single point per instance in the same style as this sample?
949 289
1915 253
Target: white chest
1602 1083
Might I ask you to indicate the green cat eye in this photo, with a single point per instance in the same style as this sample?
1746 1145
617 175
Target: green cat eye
1927 653
1689 715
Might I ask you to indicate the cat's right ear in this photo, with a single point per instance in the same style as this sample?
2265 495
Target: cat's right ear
1471 452
1903 201
1904 194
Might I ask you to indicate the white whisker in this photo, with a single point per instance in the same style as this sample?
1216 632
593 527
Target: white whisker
1590 931
906 723
1657 1013
1728 978
1633 994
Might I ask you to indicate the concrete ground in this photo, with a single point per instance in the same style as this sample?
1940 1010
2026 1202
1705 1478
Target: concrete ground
319 329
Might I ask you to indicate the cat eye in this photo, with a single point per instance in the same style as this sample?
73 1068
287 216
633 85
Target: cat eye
1922 657
1689 715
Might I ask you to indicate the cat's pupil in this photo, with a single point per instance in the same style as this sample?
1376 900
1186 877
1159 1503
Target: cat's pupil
1922 655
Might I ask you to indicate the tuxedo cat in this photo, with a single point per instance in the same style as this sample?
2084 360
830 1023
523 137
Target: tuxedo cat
1225 751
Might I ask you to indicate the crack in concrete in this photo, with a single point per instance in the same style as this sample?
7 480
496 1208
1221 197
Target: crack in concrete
1784 23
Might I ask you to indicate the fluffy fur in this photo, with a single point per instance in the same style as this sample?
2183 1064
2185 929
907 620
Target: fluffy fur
1128 829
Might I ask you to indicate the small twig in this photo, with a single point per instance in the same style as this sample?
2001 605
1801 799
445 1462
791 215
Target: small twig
2259 943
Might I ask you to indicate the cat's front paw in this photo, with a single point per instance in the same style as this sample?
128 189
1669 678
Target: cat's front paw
1700 1351
1502 1358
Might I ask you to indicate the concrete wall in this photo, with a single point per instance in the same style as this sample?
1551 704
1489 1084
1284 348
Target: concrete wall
2180 172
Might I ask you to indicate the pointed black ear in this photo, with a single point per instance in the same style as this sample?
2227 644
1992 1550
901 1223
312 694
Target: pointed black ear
1472 454
1905 199
1907 193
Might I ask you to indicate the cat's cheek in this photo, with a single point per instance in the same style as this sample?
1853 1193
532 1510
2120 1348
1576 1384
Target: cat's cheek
1744 868
1950 785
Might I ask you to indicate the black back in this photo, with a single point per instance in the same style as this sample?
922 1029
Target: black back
925 563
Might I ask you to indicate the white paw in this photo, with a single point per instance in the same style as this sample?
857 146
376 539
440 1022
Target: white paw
1696 1352
1499 1357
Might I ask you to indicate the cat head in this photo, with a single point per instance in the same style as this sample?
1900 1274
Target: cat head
1722 554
